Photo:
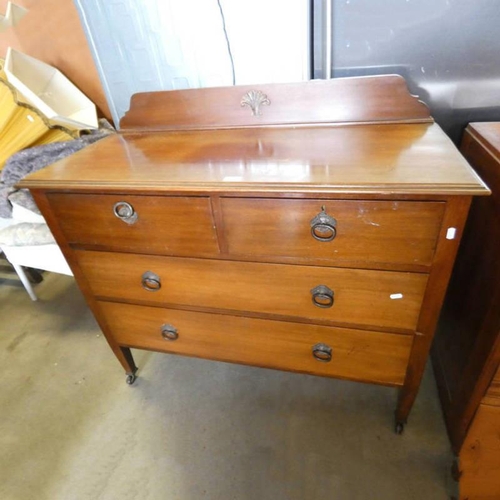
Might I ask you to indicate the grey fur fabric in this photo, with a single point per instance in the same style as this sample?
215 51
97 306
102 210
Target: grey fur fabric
30 160
5 206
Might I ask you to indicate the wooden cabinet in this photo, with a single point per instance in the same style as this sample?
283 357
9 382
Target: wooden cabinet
466 352
314 233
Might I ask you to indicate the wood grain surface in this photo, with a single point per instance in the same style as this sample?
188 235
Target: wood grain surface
165 225
492 396
361 99
367 232
455 216
483 153
466 352
488 134
383 159
362 297
480 457
357 355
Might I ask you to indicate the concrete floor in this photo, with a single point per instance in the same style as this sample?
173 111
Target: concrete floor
189 429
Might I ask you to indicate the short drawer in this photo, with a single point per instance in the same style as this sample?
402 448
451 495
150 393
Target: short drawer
157 224
358 355
366 233
374 299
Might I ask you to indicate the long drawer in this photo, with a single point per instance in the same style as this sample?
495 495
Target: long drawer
355 232
165 225
355 354
359 298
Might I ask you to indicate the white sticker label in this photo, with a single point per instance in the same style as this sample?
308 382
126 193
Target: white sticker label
395 296
234 178
450 234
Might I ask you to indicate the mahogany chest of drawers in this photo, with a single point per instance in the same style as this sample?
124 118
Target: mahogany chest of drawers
466 351
308 227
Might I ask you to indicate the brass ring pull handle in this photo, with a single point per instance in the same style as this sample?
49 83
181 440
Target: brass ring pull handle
322 296
151 281
125 212
322 352
323 226
169 332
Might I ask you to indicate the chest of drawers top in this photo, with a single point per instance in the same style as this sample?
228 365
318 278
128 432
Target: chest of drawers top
383 159
353 136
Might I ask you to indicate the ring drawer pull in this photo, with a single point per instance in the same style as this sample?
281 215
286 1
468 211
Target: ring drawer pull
322 296
323 226
151 281
125 212
169 332
322 352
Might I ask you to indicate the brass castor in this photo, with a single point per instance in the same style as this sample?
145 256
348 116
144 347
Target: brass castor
400 427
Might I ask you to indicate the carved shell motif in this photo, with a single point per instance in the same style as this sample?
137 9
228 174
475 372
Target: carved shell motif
254 99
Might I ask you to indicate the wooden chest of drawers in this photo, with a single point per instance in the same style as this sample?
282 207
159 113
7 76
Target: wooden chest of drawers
312 228
466 351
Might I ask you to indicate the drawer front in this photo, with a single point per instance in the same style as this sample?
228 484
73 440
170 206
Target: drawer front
358 355
160 225
363 298
366 232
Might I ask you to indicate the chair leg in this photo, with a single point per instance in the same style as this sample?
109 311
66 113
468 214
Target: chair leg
25 281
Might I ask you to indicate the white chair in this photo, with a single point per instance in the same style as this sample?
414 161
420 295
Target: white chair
45 257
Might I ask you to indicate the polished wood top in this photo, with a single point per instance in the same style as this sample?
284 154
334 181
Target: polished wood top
488 133
413 158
